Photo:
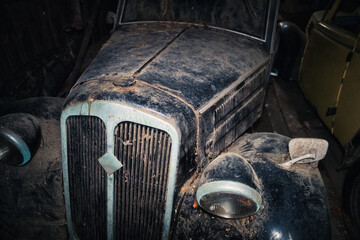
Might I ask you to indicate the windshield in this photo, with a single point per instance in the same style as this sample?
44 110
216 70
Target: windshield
245 16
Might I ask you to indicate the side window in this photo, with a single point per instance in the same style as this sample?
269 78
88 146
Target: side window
347 16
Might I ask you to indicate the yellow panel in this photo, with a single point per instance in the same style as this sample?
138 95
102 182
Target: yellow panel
323 64
348 113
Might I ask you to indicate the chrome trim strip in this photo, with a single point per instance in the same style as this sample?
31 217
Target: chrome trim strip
110 125
122 11
267 22
17 141
110 206
119 14
274 27
229 187
112 113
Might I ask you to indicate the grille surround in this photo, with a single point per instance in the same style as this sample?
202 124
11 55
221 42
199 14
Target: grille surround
112 113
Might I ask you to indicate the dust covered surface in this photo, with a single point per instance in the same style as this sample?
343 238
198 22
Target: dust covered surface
32 202
228 167
192 63
143 97
176 70
244 16
129 48
294 203
200 63
194 223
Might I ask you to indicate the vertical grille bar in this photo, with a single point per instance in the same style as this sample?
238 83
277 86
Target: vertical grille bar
86 143
140 187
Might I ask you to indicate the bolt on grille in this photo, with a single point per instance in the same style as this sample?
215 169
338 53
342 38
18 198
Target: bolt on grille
141 185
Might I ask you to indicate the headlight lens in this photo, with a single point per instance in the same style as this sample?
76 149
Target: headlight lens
228 199
229 188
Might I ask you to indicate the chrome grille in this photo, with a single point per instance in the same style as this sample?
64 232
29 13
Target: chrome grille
141 185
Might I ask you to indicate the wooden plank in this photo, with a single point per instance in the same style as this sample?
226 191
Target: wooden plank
274 114
289 100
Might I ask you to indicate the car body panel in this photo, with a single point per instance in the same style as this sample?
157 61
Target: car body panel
347 121
322 71
137 44
294 203
194 64
329 76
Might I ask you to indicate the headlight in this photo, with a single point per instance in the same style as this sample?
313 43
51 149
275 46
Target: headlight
229 188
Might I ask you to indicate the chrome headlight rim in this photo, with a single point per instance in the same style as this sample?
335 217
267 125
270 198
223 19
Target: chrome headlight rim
229 187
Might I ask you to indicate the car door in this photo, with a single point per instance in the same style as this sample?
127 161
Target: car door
347 119
329 75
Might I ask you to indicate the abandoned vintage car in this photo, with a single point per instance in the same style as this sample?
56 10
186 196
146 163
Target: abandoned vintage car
145 136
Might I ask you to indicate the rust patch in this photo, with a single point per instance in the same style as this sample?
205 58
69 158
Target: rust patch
196 204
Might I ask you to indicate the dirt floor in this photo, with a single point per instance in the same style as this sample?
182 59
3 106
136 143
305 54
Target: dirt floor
287 112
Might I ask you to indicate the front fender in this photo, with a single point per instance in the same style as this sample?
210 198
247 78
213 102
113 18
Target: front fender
294 202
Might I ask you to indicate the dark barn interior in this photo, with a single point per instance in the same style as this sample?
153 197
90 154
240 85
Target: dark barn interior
45 46
43 41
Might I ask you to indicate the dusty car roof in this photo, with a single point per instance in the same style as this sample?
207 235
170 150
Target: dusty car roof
194 64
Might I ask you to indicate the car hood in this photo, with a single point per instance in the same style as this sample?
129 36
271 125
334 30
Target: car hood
192 63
